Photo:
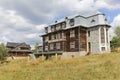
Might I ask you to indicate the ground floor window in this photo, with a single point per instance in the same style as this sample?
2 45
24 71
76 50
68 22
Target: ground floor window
72 44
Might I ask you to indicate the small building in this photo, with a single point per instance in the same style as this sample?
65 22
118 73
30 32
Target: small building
79 34
18 49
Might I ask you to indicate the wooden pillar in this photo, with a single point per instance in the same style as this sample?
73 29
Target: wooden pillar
56 56
42 57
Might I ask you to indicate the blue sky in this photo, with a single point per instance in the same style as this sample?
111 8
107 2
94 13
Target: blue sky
24 20
110 14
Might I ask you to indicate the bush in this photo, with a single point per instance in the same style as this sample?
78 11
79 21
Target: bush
3 52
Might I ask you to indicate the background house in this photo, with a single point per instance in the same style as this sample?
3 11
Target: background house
18 49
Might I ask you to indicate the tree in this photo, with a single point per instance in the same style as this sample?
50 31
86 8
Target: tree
117 32
35 51
115 42
3 51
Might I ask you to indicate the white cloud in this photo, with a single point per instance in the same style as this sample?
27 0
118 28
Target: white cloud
42 11
114 24
33 35
40 27
14 27
24 21
108 4
116 21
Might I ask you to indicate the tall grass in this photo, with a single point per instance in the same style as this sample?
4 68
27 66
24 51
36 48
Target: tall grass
93 67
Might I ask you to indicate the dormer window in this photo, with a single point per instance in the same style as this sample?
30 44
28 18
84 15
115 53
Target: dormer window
63 25
66 17
55 21
92 21
105 19
72 22
46 29
52 28
58 26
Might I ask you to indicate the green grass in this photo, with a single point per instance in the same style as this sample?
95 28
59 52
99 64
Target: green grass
93 67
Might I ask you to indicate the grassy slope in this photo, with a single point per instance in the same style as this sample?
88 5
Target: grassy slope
93 67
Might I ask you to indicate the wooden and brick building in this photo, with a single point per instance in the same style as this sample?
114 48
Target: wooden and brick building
78 34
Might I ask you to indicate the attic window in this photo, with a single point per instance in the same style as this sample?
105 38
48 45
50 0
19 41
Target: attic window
66 17
92 20
72 22
46 29
105 19
55 21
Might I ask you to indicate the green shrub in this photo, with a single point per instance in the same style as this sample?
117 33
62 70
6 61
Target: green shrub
3 52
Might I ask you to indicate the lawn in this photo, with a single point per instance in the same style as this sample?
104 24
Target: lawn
93 67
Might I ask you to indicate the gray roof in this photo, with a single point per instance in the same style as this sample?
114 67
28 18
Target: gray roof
13 44
88 20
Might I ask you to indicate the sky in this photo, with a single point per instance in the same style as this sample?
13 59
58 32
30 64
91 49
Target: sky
24 20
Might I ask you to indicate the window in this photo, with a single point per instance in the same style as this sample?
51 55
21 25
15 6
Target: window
40 49
46 48
46 38
52 28
102 35
57 36
63 25
46 29
57 45
107 35
52 36
58 26
88 33
105 19
72 44
72 33
49 37
103 48
92 21
72 22
51 46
